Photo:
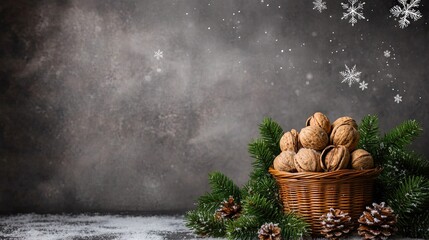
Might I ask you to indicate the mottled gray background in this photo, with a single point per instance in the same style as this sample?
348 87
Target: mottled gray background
90 120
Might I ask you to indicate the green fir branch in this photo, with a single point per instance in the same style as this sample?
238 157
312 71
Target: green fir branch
410 196
244 228
264 157
261 207
265 186
293 227
417 228
403 134
210 202
271 132
223 186
370 136
204 223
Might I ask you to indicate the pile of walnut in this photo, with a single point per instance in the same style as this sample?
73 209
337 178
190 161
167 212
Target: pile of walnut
322 147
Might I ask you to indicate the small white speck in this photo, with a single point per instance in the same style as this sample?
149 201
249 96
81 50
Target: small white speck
282 50
186 13
208 28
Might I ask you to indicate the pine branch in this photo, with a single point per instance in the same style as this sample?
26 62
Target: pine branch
418 228
411 201
223 186
410 196
265 186
271 132
204 223
403 134
245 228
293 227
210 202
369 136
261 207
264 157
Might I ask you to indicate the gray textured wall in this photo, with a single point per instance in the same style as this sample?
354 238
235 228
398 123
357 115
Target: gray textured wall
91 121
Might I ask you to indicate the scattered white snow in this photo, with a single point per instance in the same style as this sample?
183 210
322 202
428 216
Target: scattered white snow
53 227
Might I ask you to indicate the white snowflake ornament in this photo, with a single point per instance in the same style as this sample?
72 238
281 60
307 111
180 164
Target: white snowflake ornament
363 85
397 98
158 54
319 5
386 54
408 12
354 10
350 76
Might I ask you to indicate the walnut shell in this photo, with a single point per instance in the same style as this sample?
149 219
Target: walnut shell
319 119
313 137
361 159
346 135
284 161
334 158
344 120
289 141
307 160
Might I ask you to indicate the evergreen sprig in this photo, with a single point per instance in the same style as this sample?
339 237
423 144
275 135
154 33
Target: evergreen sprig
259 197
271 132
404 181
223 186
403 134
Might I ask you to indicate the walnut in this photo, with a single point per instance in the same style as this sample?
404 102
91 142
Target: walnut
307 160
361 159
344 120
319 119
284 161
346 135
334 158
289 141
313 137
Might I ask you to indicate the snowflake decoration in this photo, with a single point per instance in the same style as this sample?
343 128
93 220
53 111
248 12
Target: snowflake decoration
158 54
386 54
397 98
408 12
353 11
319 5
350 76
363 85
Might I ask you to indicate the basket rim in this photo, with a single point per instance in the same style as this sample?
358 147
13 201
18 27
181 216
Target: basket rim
343 173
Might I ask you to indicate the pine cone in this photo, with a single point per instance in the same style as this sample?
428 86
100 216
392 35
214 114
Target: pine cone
228 209
336 224
377 222
270 231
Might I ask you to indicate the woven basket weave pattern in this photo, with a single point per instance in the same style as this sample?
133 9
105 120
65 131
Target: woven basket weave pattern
311 194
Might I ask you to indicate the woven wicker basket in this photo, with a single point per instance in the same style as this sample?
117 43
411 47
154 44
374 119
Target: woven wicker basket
311 194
